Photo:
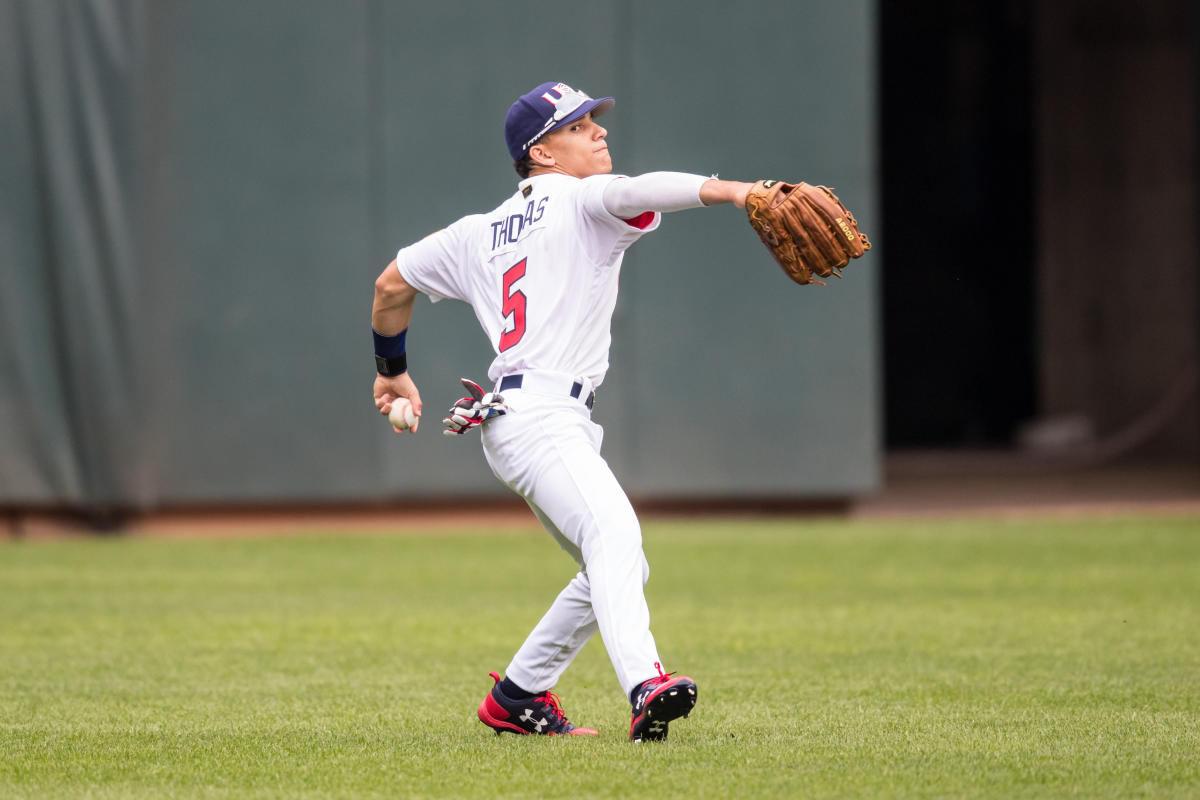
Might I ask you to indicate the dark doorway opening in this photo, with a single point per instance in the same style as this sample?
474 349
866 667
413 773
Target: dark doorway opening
957 156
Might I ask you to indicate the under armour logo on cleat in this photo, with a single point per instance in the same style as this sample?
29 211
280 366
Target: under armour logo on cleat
528 717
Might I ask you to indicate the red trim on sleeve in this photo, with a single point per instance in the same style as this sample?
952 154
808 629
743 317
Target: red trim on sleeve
641 221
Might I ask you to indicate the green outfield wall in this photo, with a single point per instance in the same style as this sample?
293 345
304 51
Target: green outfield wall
197 197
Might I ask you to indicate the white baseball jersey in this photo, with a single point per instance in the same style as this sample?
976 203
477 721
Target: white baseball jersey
540 271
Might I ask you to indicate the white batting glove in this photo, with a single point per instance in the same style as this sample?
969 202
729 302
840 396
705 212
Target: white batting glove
470 412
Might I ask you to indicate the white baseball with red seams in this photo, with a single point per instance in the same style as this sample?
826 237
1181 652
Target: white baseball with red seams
401 416
541 273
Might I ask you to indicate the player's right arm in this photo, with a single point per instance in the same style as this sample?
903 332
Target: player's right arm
390 315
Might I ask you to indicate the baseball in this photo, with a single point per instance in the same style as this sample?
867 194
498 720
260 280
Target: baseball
401 416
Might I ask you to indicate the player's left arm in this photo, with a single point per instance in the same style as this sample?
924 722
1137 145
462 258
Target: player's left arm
391 312
670 191
715 192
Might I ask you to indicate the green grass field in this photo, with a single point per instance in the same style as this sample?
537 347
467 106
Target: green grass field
834 659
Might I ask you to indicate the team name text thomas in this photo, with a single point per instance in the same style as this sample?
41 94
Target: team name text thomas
509 229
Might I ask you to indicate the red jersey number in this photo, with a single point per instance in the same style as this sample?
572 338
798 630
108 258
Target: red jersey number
514 306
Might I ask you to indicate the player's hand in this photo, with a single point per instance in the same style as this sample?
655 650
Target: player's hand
388 390
470 412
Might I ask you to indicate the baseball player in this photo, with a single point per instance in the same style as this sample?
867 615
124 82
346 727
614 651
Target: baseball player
541 273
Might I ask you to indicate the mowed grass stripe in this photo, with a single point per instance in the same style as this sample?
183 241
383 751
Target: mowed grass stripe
835 659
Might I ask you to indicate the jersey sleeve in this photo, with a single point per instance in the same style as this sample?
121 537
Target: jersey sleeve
608 235
437 265
628 198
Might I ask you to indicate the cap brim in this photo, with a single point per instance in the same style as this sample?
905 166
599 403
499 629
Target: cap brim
597 107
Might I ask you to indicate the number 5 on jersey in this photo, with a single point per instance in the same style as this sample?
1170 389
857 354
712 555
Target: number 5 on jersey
513 305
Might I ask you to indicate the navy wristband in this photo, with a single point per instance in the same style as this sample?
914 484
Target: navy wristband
390 359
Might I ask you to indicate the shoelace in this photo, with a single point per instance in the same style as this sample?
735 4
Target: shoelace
551 700
662 678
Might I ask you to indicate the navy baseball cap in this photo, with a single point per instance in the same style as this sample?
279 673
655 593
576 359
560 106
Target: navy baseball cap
546 108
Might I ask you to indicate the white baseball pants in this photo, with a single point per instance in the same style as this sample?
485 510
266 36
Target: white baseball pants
547 449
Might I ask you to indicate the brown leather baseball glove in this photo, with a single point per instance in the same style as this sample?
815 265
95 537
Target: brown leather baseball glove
806 228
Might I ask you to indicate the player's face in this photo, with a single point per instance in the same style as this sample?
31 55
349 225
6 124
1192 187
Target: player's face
580 148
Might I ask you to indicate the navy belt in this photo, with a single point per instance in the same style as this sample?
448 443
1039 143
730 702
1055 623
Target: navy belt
515 382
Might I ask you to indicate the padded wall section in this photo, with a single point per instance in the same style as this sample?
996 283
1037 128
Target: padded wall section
199 195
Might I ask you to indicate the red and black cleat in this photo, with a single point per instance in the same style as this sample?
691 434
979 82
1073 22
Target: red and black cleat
539 716
658 701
